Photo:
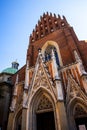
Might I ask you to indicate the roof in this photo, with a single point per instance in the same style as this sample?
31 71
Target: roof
10 70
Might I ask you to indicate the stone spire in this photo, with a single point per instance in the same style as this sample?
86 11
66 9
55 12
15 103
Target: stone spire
54 67
56 78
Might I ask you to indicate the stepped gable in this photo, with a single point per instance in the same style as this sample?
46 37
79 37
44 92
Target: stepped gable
47 24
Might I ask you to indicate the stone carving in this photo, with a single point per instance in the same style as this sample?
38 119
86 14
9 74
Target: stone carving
44 103
73 89
40 79
79 111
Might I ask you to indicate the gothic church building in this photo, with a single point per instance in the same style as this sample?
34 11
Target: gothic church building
50 91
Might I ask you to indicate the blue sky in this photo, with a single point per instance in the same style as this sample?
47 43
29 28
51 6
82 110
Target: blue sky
19 17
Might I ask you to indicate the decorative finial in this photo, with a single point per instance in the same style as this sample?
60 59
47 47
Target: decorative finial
36 26
40 17
65 19
38 21
59 16
54 15
43 14
50 14
33 30
47 13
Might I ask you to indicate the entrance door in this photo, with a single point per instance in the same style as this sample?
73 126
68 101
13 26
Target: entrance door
45 121
81 123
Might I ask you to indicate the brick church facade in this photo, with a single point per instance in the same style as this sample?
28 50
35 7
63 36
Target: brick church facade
50 91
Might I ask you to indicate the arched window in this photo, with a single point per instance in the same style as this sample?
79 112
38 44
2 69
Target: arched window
48 52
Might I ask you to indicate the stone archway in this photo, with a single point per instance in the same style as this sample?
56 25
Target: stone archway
45 115
80 117
17 123
41 110
77 111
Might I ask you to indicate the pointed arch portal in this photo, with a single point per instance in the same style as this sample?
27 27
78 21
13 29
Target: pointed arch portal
42 112
80 117
45 115
77 112
18 120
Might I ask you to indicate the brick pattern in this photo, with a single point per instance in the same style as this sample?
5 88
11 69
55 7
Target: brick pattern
63 34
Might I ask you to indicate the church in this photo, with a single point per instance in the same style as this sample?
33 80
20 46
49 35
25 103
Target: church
50 91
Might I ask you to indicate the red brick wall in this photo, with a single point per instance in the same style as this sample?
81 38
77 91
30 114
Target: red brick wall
65 37
65 41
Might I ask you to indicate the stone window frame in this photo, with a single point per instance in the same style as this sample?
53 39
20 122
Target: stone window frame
55 44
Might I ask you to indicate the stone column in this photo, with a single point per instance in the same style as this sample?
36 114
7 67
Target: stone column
14 98
60 107
56 77
26 86
13 105
24 119
62 117
25 96
10 121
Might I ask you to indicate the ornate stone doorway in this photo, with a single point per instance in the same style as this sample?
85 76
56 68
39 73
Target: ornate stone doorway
45 121
42 114
80 117
45 115
77 114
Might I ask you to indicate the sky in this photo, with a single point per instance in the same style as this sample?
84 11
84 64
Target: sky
19 17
